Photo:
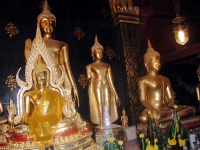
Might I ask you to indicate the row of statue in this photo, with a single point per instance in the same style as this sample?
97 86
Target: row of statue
45 100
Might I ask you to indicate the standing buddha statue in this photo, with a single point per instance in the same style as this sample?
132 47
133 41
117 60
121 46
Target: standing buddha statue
58 51
101 90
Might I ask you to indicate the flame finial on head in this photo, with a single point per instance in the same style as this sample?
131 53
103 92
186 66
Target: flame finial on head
96 44
150 53
45 5
149 44
46 12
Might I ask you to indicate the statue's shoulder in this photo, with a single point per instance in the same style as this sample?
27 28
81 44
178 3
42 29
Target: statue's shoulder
49 90
53 92
165 78
89 65
62 43
30 93
56 42
143 79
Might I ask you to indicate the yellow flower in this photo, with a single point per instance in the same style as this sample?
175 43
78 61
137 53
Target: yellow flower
181 142
172 142
175 106
149 111
155 140
120 142
111 139
149 147
179 136
155 147
147 140
142 135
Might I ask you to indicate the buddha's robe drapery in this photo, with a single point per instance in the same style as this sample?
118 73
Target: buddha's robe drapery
45 117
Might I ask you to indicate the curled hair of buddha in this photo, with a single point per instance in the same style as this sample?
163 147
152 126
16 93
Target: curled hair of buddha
41 67
46 12
96 45
150 53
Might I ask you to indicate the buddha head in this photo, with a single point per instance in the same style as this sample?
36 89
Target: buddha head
123 112
97 49
151 58
41 76
47 20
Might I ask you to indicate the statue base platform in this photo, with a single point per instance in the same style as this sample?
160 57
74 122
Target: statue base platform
70 140
189 123
102 132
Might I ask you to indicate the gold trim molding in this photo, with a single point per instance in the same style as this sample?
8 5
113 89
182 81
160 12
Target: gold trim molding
124 11
126 18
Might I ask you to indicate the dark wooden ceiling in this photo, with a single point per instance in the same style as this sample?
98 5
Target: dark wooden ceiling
156 21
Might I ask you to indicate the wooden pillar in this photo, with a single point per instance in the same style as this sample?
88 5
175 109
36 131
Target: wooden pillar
129 47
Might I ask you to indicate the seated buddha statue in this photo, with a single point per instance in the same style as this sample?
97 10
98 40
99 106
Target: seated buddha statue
156 93
198 87
48 107
2 119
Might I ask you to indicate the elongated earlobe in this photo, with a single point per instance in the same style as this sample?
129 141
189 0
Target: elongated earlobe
146 66
92 57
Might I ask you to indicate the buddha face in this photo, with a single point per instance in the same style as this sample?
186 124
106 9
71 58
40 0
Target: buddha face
98 53
47 25
154 64
41 78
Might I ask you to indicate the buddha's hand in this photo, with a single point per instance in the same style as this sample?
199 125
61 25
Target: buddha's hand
76 95
118 101
156 115
26 118
171 103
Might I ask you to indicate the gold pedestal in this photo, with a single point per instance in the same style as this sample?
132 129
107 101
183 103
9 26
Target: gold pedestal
71 140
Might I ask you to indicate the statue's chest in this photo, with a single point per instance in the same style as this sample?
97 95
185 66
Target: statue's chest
53 52
100 69
155 85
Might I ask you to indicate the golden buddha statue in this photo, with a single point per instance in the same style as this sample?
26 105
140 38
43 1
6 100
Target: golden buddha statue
101 89
2 119
198 87
156 93
48 106
124 119
58 51
41 98
11 113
